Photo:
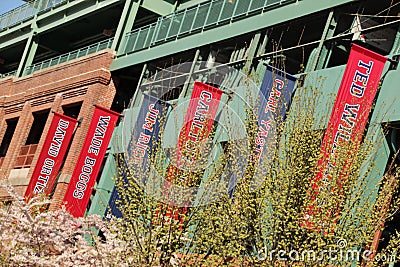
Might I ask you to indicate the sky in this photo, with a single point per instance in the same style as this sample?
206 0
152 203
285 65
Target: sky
7 5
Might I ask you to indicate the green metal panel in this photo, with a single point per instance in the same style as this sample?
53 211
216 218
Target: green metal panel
104 188
321 86
130 117
321 52
187 38
388 104
106 182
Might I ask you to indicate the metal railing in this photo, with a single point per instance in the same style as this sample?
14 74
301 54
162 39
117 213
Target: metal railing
27 11
8 74
69 56
201 17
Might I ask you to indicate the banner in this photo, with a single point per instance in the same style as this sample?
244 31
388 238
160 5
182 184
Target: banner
199 119
348 120
275 97
90 159
140 148
51 156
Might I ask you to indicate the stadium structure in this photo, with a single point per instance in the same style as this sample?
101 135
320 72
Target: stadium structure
69 56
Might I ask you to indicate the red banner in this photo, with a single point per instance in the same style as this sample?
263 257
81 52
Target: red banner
202 110
90 159
51 156
198 122
348 120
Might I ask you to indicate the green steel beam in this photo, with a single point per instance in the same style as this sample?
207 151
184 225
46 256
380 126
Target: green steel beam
396 44
16 30
190 76
325 52
159 7
104 188
30 50
387 106
236 28
125 24
189 4
134 100
321 52
28 55
252 51
263 45
15 40
46 23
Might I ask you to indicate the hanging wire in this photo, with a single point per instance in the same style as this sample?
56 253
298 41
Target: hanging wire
377 14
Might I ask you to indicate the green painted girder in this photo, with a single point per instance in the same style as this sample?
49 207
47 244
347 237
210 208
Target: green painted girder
7 41
52 18
223 32
104 188
387 106
159 7
46 23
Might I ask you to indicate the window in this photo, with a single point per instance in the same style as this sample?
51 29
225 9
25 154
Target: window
72 110
38 125
11 125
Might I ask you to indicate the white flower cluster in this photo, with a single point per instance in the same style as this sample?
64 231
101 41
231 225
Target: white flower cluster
55 238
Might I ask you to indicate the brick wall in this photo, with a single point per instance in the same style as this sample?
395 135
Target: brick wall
87 80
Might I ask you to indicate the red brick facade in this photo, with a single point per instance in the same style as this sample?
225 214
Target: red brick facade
86 80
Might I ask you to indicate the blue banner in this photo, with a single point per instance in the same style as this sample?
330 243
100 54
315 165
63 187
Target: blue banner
141 146
275 97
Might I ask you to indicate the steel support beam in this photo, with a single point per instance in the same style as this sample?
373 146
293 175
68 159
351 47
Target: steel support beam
252 51
160 7
396 44
29 52
46 23
125 24
236 28
320 56
140 82
190 76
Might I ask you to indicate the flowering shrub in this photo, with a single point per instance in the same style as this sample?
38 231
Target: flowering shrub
55 238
